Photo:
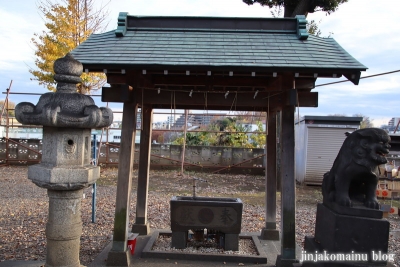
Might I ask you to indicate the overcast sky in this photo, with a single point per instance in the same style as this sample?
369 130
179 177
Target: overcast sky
367 29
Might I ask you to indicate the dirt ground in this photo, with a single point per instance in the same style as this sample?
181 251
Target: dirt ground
250 188
24 208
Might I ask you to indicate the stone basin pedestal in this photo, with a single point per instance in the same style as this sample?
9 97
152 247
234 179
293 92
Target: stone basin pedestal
222 216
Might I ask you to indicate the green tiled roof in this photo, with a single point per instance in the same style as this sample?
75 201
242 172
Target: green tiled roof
270 44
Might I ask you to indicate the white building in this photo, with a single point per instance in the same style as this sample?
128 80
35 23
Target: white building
318 141
393 122
170 121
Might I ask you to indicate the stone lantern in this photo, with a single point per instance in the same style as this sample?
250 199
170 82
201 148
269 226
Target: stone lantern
65 170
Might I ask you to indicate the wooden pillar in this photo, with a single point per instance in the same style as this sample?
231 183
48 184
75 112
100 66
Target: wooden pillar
119 254
288 190
270 232
278 149
141 225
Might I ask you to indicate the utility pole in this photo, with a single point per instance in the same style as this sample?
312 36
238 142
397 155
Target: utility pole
184 140
5 103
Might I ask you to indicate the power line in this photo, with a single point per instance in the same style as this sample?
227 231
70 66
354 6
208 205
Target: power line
365 77
251 92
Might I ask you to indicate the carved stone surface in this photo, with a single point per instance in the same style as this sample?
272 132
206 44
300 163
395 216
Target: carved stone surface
353 177
65 161
65 107
342 234
217 214
63 178
221 214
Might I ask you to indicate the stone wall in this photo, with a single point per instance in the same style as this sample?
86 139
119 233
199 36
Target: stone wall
164 156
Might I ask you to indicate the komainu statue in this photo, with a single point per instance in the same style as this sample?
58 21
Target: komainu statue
354 174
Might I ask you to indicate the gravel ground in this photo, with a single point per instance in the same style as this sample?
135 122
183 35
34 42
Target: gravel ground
24 208
246 247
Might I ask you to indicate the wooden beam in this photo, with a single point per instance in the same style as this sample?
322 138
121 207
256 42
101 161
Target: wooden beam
270 232
212 101
132 77
119 254
113 78
308 99
141 225
291 97
354 77
278 148
218 81
305 83
117 93
300 98
271 172
288 191
215 108
215 101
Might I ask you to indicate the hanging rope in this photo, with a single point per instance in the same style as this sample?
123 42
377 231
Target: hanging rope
175 116
170 119
141 114
205 102
235 100
233 103
267 114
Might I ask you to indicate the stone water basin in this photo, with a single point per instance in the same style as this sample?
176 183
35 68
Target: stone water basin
216 214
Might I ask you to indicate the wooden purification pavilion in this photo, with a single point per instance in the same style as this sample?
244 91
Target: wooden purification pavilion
212 63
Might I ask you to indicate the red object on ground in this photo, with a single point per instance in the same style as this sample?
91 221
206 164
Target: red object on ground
132 242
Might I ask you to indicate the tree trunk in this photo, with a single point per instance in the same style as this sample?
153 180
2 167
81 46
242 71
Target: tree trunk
301 8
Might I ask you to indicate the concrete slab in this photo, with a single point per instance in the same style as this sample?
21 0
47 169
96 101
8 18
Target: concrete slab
261 258
270 250
22 264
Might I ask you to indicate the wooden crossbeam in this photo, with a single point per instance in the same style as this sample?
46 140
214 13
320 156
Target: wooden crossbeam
269 83
210 101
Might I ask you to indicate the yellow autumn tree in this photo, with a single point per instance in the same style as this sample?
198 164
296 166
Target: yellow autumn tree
7 106
68 23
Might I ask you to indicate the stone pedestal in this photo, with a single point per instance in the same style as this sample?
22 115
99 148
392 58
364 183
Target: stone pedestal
64 228
348 235
119 258
231 242
269 234
141 229
285 262
64 171
179 239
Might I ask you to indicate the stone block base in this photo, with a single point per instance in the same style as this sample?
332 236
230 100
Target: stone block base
119 258
359 239
269 234
141 229
285 262
179 239
343 233
231 242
